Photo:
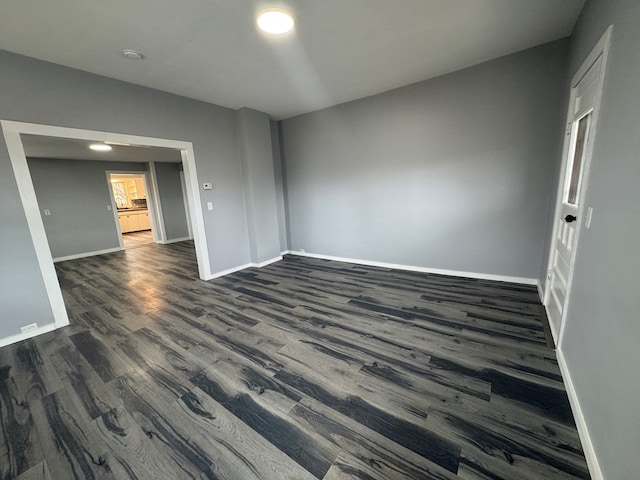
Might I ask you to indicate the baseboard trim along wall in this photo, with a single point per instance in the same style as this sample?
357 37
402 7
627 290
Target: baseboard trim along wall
412 268
176 240
583 431
228 271
267 262
24 336
86 254
242 267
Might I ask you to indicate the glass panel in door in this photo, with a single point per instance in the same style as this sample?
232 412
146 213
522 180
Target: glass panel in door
576 163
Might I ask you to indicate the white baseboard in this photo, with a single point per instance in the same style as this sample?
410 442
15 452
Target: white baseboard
176 240
87 254
242 267
228 271
111 250
583 431
412 268
24 336
267 262
540 292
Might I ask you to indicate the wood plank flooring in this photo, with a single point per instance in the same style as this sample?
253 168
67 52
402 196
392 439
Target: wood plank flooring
137 239
303 369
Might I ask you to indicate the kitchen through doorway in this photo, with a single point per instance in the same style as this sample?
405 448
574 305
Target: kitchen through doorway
132 207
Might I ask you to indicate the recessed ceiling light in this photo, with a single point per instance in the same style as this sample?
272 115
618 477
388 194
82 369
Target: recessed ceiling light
100 147
132 54
275 21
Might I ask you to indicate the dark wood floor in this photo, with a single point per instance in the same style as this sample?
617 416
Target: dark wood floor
303 369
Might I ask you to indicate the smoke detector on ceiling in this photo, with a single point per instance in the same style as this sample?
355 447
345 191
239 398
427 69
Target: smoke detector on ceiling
132 54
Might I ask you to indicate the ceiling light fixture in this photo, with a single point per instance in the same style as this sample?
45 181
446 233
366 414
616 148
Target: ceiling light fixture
275 21
100 147
132 54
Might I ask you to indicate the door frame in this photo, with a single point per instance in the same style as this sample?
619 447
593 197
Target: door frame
185 199
12 131
153 203
600 49
158 217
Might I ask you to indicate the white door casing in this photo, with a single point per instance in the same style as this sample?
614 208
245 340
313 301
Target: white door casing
586 89
153 203
185 198
12 130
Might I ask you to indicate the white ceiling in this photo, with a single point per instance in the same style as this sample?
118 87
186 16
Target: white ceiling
341 49
39 146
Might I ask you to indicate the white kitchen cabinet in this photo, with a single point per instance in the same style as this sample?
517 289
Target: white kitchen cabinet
141 189
144 220
124 222
132 189
134 221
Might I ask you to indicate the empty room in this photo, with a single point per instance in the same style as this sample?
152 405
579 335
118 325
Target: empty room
331 240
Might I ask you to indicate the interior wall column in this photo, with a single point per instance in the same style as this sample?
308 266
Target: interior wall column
256 155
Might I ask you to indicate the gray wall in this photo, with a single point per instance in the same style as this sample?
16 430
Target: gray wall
451 173
40 92
602 332
172 200
22 294
254 145
77 194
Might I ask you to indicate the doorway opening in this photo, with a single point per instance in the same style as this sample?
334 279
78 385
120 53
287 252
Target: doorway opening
132 204
34 214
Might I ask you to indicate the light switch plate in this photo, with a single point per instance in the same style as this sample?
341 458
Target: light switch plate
587 218
209 205
47 212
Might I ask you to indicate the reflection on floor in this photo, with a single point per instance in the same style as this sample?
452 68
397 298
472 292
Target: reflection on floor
137 239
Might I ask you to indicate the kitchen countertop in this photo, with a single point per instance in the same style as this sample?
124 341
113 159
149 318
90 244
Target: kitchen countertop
136 209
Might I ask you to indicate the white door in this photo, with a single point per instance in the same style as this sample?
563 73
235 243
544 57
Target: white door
569 211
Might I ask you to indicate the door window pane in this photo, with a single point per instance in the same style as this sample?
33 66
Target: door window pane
119 194
576 164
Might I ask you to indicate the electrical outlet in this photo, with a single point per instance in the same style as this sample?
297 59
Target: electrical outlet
209 205
109 207
29 328
47 212
302 250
